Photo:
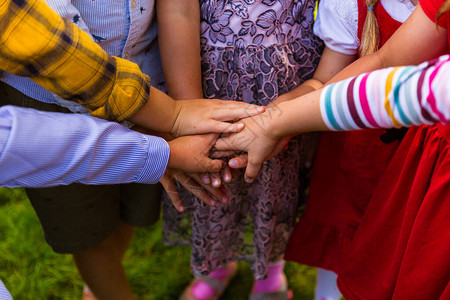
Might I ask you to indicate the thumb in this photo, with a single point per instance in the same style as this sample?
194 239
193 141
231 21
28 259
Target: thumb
210 165
209 141
252 171
239 161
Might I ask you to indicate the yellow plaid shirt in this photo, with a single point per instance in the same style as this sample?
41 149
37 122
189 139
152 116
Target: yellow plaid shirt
36 42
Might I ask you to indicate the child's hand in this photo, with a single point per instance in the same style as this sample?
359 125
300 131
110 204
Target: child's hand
205 116
191 154
225 175
192 183
257 140
216 179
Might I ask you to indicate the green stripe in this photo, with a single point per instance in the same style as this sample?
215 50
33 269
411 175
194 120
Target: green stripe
396 92
328 108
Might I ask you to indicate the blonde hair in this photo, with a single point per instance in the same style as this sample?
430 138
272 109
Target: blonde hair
370 38
445 7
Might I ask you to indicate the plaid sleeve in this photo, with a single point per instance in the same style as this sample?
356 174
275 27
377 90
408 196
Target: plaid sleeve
35 42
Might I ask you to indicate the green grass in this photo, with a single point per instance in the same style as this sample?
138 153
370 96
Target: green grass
30 269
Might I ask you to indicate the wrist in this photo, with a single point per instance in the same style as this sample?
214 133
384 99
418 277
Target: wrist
273 127
172 157
176 122
159 113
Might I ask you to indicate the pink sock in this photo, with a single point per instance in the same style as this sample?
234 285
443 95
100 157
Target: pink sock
203 291
273 281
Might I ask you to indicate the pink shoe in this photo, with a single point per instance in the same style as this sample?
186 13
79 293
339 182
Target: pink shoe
218 286
283 293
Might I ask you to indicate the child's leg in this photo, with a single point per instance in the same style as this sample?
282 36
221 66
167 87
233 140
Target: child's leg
326 287
273 282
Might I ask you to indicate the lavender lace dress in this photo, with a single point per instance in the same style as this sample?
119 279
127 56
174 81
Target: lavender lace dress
252 51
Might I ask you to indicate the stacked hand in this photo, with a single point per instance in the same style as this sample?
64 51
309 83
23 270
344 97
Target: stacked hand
190 162
257 140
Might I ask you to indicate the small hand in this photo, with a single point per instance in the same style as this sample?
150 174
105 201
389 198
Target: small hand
216 179
190 154
205 116
192 183
256 139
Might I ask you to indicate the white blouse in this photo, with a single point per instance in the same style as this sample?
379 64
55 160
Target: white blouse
337 22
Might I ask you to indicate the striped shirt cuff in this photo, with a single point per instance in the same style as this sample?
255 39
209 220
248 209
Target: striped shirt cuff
156 163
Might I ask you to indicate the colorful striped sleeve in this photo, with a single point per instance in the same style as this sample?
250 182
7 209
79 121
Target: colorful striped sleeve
392 97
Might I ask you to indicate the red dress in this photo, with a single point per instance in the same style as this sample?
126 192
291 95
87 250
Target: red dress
401 246
347 167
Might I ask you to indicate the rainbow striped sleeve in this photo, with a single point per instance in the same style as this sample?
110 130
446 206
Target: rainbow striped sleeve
392 97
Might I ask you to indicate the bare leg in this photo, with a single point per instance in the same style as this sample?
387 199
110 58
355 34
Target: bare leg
101 266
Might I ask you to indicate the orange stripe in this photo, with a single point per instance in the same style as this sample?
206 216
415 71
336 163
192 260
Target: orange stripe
387 104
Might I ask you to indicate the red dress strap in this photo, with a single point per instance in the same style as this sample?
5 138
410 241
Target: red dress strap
386 23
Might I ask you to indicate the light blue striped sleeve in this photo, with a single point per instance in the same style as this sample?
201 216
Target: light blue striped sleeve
41 149
4 293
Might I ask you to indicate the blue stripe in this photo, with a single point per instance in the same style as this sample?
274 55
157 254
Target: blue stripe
396 100
329 109
411 85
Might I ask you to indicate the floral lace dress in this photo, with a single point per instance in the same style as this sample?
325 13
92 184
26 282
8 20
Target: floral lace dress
252 51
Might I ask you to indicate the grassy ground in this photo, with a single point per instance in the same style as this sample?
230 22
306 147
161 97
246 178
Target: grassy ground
30 269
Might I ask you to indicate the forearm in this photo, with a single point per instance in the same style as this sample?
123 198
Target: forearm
179 40
159 114
35 42
392 97
295 116
364 64
308 86
71 148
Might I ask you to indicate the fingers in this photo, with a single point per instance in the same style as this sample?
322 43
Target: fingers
239 162
252 171
204 177
218 193
171 190
232 110
197 190
226 174
216 181
210 178
225 144
221 154
223 127
211 165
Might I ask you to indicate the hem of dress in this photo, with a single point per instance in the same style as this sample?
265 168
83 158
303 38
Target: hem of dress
310 244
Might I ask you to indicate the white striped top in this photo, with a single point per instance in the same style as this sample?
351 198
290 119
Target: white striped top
392 97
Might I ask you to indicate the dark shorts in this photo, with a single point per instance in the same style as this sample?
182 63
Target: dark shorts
76 217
